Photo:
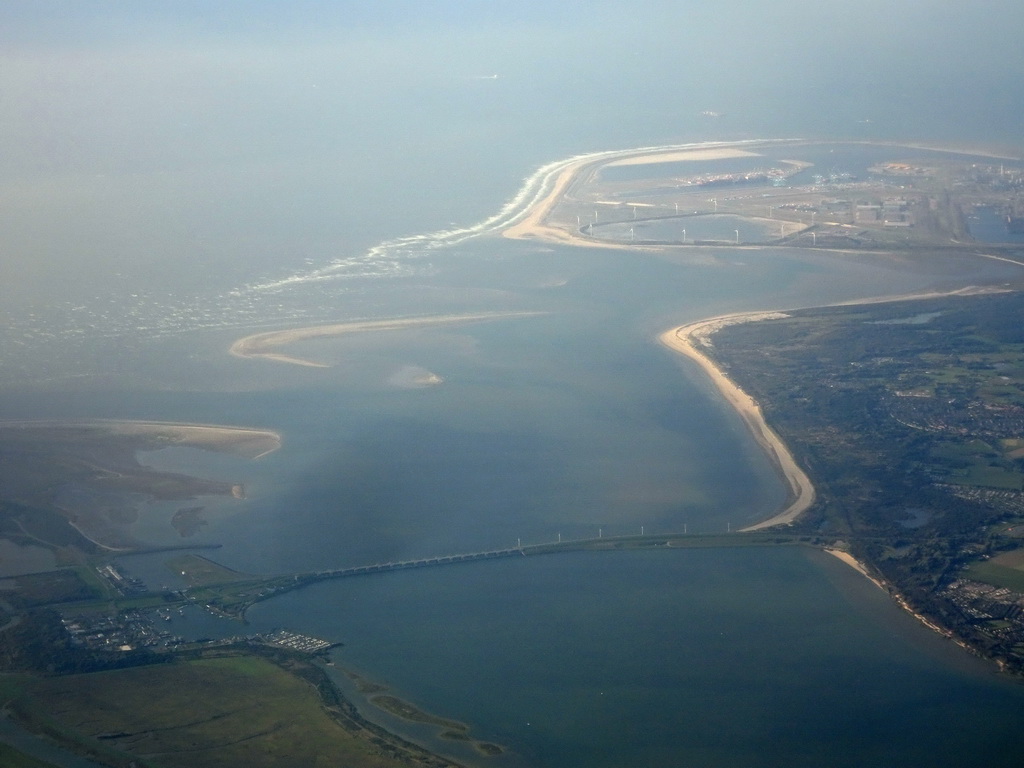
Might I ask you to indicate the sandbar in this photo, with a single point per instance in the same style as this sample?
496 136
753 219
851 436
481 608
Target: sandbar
686 155
247 442
264 345
241 441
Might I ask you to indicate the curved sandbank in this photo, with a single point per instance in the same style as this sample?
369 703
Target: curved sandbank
556 179
263 345
533 224
692 338
243 441
688 340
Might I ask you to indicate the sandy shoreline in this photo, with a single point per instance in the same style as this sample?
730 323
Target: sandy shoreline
248 442
263 345
688 341
534 226
856 564
711 153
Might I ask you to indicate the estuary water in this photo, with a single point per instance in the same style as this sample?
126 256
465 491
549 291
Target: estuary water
173 179
571 422
701 657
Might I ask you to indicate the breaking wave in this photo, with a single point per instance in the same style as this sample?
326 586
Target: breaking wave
389 256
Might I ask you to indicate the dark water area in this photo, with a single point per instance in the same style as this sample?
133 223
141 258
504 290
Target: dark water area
571 423
988 225
676 657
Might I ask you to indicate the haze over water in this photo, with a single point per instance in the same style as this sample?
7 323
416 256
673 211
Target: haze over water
173 180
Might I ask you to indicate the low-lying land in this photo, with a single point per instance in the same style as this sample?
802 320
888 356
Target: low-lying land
671 200
75 488
215 708
690 341
908 418
899 428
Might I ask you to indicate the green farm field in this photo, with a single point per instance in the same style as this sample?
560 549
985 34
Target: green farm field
236 710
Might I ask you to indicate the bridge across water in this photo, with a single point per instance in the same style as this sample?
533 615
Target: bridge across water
234 597
426 562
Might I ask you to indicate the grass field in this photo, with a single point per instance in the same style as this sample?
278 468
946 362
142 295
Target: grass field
990 477
977 463
997 575
239 710
12 758
201 571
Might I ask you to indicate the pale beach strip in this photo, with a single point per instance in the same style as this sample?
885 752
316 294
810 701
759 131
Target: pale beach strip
249 442
856 564
685 155
264 345
901 601
692 338
533 225
688 340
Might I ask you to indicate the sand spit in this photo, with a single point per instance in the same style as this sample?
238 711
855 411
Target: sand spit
533 226
242 441
263 345
689 340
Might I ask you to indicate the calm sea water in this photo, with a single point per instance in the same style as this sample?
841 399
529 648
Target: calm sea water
172 180
711 657
564 423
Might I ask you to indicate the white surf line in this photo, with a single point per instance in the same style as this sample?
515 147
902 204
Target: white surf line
534 190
